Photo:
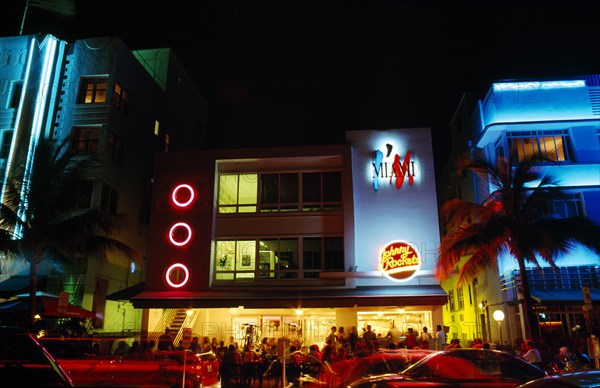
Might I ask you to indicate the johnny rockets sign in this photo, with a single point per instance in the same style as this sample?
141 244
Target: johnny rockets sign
399 260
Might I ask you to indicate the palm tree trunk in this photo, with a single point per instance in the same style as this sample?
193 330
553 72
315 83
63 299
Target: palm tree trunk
527 305
33 269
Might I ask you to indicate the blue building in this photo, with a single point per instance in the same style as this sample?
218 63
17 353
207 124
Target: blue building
559 119
118 104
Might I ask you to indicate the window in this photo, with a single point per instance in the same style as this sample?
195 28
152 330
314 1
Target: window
271 259
6 143
167 142
461 298
322 254
553 145
92 90
86 140
451 300
156 127
568 206
78 195
120 99
238 193
114 147
321 191
108 202
16 89
280 192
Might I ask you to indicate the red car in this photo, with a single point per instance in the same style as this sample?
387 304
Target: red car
341 373
466 367
196 371
24 362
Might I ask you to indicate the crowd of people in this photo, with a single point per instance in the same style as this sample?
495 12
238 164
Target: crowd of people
252 362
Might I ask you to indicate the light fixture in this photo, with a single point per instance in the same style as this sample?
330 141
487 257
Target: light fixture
499 317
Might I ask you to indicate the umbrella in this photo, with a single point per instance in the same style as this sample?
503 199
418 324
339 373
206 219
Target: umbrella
46 304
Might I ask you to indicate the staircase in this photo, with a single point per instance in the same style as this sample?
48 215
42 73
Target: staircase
177 322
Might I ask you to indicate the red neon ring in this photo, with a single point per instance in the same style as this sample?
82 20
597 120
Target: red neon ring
171 269
181 187
177 225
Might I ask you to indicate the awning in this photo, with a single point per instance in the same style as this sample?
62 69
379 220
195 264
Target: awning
18 285
46 304
361 296
127 292
566 296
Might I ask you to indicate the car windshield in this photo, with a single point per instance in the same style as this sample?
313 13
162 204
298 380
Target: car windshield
473 365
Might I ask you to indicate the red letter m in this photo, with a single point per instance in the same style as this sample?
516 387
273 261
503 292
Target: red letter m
401 170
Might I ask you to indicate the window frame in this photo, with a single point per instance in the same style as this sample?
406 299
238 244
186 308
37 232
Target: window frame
93 90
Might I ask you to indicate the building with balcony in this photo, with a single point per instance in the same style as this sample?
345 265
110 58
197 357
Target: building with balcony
559 119
290 241
118 104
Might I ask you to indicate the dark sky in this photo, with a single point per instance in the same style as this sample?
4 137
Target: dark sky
302 72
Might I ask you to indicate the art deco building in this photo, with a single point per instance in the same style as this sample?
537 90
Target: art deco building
559 119
118 104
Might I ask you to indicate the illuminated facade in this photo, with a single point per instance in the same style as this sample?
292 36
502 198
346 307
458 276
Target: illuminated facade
99 93
294 240
559 119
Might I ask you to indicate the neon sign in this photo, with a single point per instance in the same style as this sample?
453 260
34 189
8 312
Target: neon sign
177 275
399 260
396 169
182 195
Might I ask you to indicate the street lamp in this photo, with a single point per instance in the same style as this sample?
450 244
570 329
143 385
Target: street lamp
499 317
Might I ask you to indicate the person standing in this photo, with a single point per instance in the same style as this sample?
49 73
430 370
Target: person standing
165 341
440 338
425 339
369 339
411 339
393 335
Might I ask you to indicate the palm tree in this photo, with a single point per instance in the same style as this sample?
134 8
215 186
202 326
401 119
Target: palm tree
37 221
515 218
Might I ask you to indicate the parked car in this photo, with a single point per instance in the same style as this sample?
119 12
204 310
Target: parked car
195 370
467 366
587 378
24 362
341 373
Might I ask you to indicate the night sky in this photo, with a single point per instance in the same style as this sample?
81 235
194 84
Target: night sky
303 72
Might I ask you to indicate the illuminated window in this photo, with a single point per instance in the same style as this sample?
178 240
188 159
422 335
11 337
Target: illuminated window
120 99
267 260
553 145
114 147
238 193
280 192
86 140
6 143
167 142
156 127
92 90
235 260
